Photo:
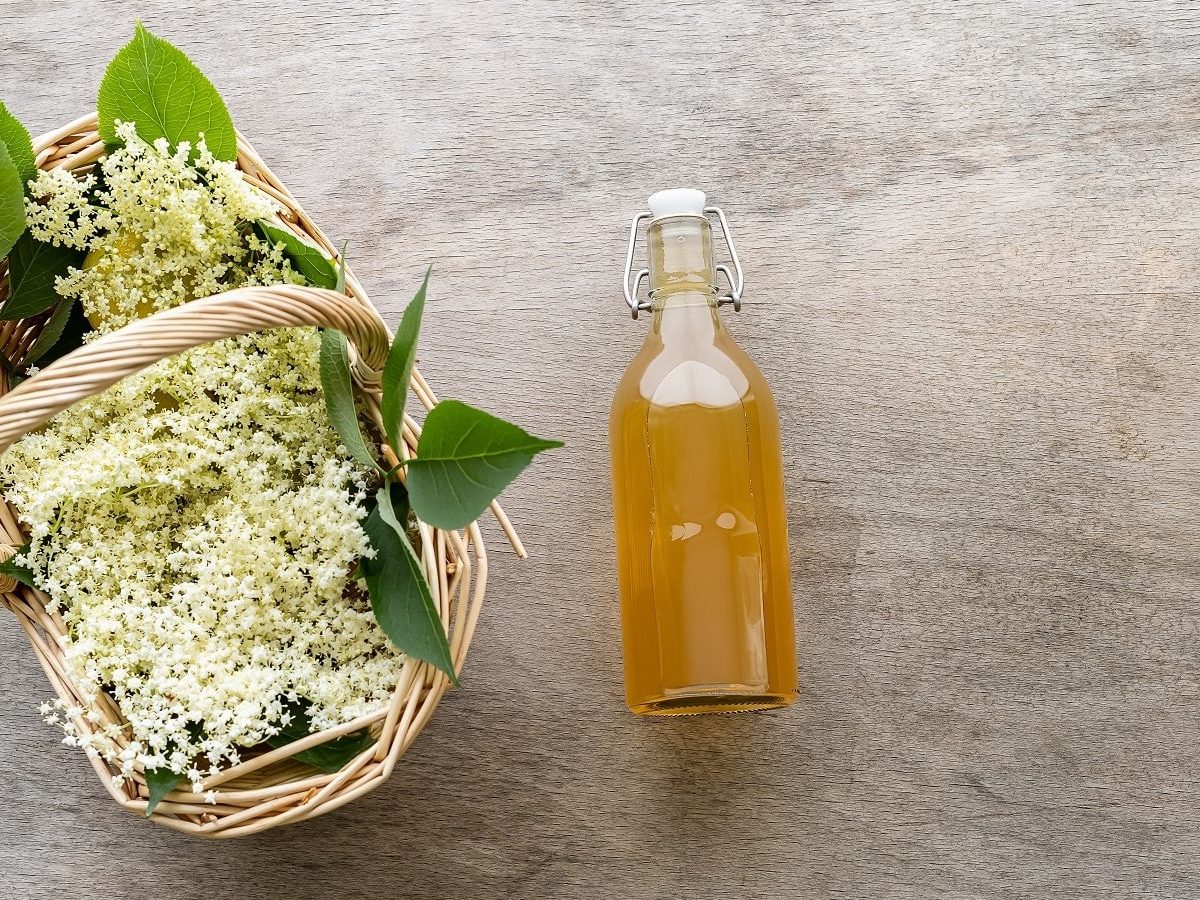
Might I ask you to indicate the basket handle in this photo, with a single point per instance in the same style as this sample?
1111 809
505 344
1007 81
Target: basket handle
97 366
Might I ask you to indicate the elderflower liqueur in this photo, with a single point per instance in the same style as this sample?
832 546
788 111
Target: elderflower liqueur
698 499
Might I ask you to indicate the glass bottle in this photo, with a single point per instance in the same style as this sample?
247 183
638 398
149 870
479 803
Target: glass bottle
698 499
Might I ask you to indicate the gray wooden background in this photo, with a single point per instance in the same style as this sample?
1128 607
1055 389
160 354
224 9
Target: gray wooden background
971 234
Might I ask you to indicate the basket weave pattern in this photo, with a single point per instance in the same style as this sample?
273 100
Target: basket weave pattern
267 789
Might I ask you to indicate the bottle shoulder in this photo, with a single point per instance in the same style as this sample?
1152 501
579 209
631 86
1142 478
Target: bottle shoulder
717 373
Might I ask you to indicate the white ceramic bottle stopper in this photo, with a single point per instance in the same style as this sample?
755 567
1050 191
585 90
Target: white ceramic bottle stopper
676 202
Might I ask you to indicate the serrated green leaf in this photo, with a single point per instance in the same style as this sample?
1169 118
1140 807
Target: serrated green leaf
398 369
329 757
51 331
159 783
339 396
400 596
12 202
465 458
308 259
32 267
16 572
332 756
61 334
16 139
153 84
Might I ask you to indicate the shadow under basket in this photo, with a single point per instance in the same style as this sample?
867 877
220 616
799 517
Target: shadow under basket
268 788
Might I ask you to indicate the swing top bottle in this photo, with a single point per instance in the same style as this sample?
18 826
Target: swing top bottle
701 528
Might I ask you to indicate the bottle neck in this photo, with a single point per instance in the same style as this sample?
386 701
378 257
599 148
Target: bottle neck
683 283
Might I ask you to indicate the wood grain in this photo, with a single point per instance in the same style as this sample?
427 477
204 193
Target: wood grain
971 234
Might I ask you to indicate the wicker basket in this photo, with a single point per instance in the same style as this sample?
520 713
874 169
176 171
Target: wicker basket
268 788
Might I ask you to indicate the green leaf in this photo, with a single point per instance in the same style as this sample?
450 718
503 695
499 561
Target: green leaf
331 756
339 396
12 202
160 782
154 84
51 331
33 265
16 572
398 369
400 595
308 259
340 286
15 138
61 334
465 458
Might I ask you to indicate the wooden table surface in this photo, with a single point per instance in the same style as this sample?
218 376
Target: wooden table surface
971 235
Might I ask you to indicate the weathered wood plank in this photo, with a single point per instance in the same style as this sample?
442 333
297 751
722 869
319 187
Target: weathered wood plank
971 235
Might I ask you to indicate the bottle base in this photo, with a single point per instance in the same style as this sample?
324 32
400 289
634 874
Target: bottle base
699 702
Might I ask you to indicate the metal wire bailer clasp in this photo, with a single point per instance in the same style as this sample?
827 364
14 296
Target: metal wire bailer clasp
633 281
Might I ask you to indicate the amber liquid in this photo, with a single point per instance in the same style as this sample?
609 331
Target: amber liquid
700 521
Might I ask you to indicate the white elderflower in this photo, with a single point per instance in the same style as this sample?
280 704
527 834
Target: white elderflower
160 230
200 522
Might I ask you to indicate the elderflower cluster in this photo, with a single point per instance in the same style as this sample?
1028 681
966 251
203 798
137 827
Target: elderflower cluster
160 229
196 525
